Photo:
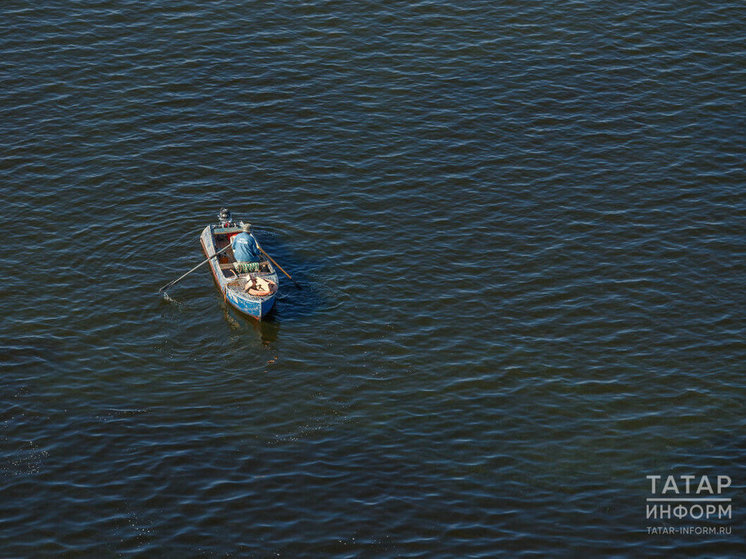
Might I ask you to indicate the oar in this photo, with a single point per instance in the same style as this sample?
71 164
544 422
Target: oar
177 280
280 267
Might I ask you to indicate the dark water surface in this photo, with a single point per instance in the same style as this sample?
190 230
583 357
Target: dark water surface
519 233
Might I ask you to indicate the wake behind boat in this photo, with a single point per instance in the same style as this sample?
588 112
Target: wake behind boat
253 291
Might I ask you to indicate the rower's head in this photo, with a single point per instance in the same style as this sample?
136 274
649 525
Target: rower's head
246 227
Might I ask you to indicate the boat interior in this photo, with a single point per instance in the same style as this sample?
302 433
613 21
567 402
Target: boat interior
242 281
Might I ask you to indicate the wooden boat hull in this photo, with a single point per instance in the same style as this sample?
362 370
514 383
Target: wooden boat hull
214 238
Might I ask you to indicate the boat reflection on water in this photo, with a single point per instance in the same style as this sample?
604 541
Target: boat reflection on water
268 327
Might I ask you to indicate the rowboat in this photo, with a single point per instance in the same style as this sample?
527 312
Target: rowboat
251 293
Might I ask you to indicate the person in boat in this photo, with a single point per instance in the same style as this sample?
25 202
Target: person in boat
246 251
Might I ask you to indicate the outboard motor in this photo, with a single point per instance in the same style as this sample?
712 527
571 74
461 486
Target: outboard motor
224 218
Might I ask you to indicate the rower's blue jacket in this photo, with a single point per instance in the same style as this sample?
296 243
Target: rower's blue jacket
245 248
